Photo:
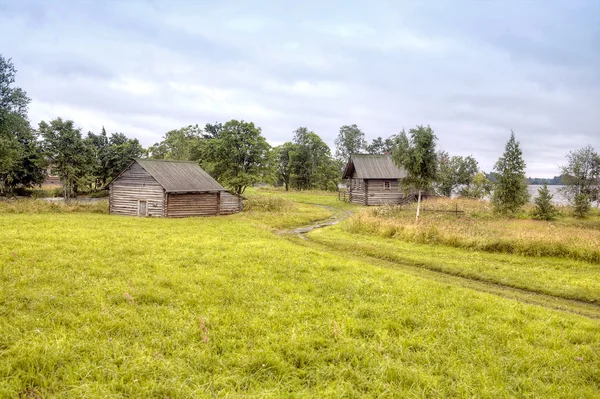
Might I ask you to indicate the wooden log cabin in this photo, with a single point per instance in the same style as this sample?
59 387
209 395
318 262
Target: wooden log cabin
374 180
169 189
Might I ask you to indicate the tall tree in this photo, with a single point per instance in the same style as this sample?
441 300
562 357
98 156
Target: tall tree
177 144
283 158
350 140
416 155
21 160
581 174
510 187
69 154
380 146
454 171
312 166
240 155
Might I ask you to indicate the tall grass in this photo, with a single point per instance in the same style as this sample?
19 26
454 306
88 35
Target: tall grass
261 203
479 229
33 206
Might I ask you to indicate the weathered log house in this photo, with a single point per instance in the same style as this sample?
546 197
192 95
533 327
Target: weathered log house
374 180
169 189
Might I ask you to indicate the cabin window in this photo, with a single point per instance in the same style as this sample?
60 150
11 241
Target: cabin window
387 185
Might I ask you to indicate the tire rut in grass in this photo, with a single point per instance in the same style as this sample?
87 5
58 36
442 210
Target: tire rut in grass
569 305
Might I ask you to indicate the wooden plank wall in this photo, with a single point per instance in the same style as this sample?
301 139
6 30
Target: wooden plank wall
133 185
183 205
378 195
356 190
230 203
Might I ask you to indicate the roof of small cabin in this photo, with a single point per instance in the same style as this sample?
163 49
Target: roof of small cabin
180 176
369 166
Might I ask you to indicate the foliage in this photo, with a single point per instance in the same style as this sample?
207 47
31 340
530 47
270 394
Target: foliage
178 144
479 187
283 162
581 174
417 157
240 155
109 156
380 146
311 164
453 172
92 307
544 208
68 152
350 140
510 187
21 159
581 206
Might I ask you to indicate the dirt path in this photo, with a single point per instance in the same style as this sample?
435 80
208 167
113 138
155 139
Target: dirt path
299 235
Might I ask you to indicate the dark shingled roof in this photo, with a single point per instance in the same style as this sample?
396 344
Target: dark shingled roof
180 176
368 166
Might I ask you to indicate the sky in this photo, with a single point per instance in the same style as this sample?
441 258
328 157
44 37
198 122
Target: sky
472 70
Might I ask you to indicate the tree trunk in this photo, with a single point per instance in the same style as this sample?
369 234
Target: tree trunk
418 206
286 186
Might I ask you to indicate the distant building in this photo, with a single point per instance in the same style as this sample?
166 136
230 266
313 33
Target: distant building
374 180
169 189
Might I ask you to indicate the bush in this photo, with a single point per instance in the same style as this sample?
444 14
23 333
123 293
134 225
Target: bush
581 206
544 208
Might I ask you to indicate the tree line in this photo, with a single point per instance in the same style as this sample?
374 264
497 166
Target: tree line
238 156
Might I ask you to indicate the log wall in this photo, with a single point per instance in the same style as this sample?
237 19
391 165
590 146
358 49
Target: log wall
184 205
379 195
134 185
230 203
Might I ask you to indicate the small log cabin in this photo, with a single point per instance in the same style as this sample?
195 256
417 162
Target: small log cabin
374 180
169 189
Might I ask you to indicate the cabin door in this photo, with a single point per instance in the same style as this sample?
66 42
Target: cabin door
142 208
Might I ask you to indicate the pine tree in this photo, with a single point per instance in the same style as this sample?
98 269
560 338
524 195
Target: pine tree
510 188
544 208
581 206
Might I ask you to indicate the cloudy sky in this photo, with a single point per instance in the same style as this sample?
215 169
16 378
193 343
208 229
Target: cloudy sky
472 70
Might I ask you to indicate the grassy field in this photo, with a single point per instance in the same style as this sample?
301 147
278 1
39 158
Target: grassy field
94 305
479 229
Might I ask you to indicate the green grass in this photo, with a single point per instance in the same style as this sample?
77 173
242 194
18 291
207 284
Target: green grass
479 229
553 276
104 306
325 198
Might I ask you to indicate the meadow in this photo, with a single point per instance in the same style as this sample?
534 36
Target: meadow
94 305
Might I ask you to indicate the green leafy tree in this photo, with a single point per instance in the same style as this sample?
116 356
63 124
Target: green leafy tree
240 155
480 187
454 171
312 166
544 208
416 155
283 158
178 144
350 140
581 174
380 146
510 187
581 206
69 154
120 153
21 159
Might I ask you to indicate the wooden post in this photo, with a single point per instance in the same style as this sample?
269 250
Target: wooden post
218 202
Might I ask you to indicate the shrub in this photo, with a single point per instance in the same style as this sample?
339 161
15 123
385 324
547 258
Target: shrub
581 206
544 208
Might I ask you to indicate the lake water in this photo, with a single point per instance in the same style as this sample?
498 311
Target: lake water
559 198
